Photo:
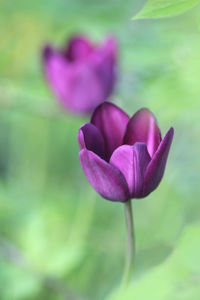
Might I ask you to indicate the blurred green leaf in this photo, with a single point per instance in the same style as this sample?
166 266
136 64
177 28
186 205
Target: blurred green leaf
16 283
180 269
164 8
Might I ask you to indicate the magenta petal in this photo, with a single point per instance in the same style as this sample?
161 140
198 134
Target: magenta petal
105 61
111 121
110 47
85 91
78 48
143 127
132 162
104 178
57 73
156 167
90 137
109 65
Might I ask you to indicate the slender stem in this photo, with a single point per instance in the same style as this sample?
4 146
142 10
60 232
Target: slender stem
130 252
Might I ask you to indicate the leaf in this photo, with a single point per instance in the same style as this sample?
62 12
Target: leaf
168 280
164 8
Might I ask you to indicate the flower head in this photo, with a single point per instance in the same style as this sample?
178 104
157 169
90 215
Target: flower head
123 157
81 75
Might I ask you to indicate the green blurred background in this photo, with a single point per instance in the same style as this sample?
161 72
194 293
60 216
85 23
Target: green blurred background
58 239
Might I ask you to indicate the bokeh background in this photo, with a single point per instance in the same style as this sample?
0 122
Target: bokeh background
58 239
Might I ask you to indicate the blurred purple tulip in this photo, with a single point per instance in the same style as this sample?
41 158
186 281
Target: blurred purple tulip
81 75
122 157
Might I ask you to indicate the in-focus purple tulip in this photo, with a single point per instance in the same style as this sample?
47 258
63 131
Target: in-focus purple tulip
81 75
123 157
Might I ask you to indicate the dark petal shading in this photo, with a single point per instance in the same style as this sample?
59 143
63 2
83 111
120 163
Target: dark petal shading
105 178
109 70
47 51
78 48
111 121
143 127
90 137
132 162
156 167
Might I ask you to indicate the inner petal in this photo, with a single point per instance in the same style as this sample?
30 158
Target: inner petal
90 137
142 127
78 48
112 122
132 161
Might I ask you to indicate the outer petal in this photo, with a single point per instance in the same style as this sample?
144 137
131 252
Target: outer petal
78 48
57 73
142 127
104 60
110 47
156 167
90 137
111 121
105 178
132 162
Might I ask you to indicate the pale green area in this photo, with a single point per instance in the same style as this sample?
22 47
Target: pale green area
57 237
165 8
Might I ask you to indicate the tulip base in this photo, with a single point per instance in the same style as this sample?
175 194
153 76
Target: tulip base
130 252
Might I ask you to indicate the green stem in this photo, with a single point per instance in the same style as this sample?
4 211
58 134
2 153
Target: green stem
130 252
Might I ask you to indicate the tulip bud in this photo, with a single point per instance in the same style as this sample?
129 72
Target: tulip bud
122 157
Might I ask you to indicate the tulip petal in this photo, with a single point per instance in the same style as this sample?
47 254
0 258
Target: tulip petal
156 167
57 73
78 48
111 121
143 127
90 137
110 47
76 85
104 178
132 162
104 60
85 91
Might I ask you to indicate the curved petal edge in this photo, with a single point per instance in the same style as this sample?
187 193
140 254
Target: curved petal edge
156 167
112 122
106 179
90 137
132 162
143 128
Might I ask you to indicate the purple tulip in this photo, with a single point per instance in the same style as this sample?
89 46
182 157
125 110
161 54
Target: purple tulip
122 157
81 75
